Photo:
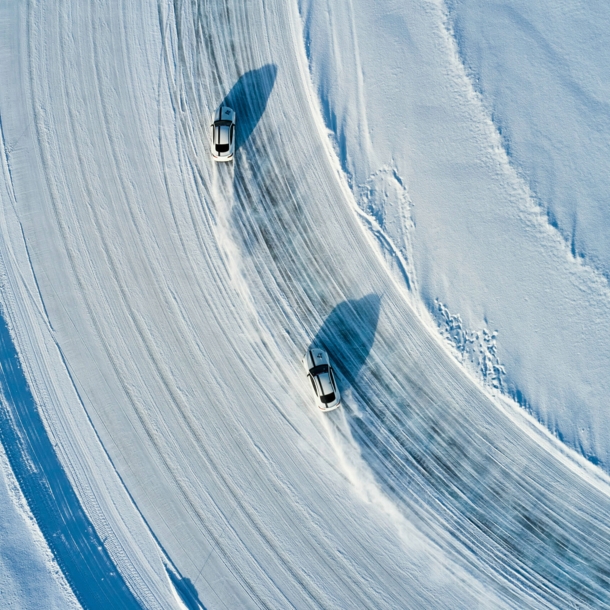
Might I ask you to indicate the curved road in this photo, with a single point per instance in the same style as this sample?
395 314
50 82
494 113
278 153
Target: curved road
183 295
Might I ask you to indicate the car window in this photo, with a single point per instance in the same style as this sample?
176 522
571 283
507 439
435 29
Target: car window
313 383
328 398
318 370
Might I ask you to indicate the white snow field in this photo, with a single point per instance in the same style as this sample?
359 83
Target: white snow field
156 307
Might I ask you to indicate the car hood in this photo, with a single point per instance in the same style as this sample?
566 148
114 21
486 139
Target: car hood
224 113
315 357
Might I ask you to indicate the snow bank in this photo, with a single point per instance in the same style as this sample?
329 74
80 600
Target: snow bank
543 74
28 572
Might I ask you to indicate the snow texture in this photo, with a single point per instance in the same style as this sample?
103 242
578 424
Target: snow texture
156 308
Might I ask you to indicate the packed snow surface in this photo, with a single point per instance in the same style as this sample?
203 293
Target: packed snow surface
156 307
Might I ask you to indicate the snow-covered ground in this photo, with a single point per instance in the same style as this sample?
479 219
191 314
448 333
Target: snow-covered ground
156 306
477 138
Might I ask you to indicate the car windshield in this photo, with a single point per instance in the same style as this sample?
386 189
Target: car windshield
222 123
328 398
318 370
222 148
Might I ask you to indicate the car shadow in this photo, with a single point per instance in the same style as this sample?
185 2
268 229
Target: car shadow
348 334
249 97
187 591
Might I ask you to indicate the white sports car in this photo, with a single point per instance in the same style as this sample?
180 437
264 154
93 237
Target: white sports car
223 134
322 378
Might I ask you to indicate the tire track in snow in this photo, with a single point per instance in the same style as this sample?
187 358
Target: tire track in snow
146 342
216 195
275 192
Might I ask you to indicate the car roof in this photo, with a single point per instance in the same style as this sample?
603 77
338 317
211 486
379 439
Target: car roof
319 369
221 134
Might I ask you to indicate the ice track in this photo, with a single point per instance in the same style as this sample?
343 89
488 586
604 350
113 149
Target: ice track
182 295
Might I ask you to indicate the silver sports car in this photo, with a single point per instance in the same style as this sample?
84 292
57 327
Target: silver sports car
223 134
322 378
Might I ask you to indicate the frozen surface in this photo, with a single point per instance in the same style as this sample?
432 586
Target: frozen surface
160 306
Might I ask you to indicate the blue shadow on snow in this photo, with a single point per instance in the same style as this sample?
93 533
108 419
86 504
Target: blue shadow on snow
75 544
348 334
249 97
187 591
